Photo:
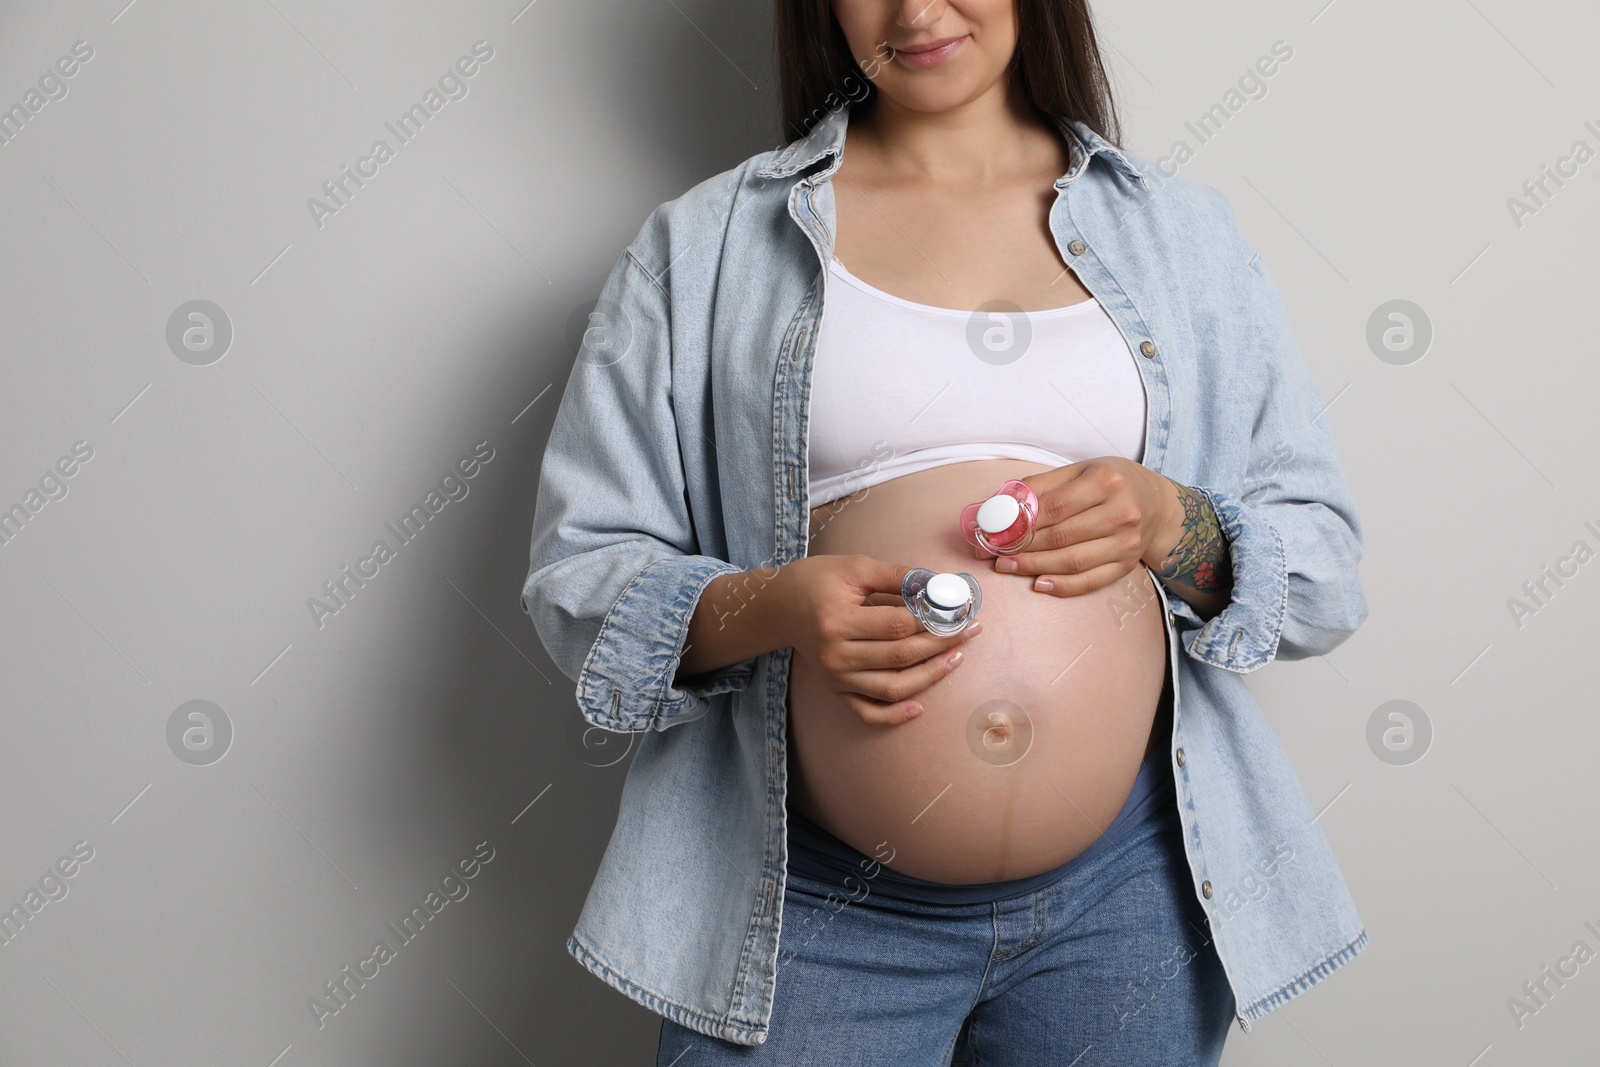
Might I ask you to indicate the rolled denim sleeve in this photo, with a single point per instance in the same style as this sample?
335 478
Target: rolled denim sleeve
614 569
1294 537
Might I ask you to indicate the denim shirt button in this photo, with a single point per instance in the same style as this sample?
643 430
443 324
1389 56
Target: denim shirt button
1077 248
1148 349
1205 887
1180 757
1172 617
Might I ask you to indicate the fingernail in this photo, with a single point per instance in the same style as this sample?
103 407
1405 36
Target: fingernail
953 658
1044 585
913 711
975 628
1009 566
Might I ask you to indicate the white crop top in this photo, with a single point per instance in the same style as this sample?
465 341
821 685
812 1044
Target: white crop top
898 387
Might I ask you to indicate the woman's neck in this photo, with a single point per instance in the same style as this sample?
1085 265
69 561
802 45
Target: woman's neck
982 142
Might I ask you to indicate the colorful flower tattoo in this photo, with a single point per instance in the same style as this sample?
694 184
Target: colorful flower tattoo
1199 554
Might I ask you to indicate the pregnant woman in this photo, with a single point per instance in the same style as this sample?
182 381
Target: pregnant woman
1066 834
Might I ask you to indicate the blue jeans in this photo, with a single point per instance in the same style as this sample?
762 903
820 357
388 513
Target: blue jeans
1110 965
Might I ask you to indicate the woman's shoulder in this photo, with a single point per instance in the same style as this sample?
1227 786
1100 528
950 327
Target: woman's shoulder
1172 202
695 221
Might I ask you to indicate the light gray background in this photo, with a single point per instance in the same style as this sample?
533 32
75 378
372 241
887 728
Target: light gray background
370 354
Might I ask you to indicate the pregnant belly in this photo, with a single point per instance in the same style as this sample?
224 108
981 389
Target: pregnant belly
1026 752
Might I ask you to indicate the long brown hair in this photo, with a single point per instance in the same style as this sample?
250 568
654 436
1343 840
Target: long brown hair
1056 66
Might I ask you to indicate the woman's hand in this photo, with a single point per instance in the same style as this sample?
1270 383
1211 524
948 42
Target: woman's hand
1098 521
875 655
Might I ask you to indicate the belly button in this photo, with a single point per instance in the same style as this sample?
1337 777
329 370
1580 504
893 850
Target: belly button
999 732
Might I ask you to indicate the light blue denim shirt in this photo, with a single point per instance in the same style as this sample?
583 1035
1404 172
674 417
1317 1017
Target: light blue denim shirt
679 454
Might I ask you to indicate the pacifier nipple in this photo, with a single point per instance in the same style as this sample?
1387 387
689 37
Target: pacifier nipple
948 591
996 514
1002 524
944 603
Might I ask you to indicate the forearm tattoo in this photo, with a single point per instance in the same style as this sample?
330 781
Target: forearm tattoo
1198 558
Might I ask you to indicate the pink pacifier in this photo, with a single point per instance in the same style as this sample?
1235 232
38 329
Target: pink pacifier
1003 524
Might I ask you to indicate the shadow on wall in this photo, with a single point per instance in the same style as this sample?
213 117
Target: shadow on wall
501 723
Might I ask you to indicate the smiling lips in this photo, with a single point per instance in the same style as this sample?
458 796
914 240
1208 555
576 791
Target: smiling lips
930 54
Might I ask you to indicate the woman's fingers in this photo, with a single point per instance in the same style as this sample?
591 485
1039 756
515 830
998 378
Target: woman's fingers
1085 581
873 713
1067 492
888 693
876 651
1103 542
890 637
876 577
1109 518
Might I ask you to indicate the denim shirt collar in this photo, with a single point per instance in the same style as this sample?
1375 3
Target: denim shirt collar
827 137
